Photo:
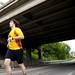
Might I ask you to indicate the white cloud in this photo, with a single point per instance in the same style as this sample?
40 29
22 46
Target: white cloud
71 43
4 1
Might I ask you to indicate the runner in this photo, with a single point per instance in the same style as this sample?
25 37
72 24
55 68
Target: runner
15 50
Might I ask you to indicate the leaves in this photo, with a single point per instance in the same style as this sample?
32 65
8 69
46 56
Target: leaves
56 50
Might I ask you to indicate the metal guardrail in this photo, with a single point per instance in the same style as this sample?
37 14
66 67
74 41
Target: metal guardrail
58 62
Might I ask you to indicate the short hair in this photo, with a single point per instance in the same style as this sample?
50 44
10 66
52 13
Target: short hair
16 22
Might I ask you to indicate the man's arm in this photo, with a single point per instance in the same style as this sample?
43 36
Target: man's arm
19 34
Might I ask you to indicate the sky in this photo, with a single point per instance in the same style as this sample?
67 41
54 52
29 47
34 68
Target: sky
2 2
71 43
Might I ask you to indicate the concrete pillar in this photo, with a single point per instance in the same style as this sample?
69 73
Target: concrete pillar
28 56
40 54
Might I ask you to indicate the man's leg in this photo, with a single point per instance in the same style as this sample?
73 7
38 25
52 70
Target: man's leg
7 66
23 68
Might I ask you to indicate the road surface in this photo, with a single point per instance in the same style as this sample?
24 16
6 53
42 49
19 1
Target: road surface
59 69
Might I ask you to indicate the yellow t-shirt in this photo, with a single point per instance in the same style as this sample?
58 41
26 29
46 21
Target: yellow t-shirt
15 44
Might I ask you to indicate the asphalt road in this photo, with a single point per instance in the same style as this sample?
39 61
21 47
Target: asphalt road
60 69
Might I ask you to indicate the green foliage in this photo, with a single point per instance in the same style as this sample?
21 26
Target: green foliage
56 50
53 51
35 54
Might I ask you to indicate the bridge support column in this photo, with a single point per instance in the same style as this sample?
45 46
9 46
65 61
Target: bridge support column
40 54
28 56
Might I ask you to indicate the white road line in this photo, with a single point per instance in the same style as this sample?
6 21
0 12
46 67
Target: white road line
71 73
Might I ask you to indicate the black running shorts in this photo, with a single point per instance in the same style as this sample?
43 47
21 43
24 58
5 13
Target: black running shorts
15 55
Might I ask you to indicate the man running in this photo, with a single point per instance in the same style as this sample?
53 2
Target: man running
15 50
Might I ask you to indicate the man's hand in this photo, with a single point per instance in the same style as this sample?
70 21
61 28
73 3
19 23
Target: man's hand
16 38
9 40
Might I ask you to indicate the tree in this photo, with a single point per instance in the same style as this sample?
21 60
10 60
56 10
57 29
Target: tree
56 50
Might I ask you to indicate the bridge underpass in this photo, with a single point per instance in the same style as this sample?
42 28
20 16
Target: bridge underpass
47 22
